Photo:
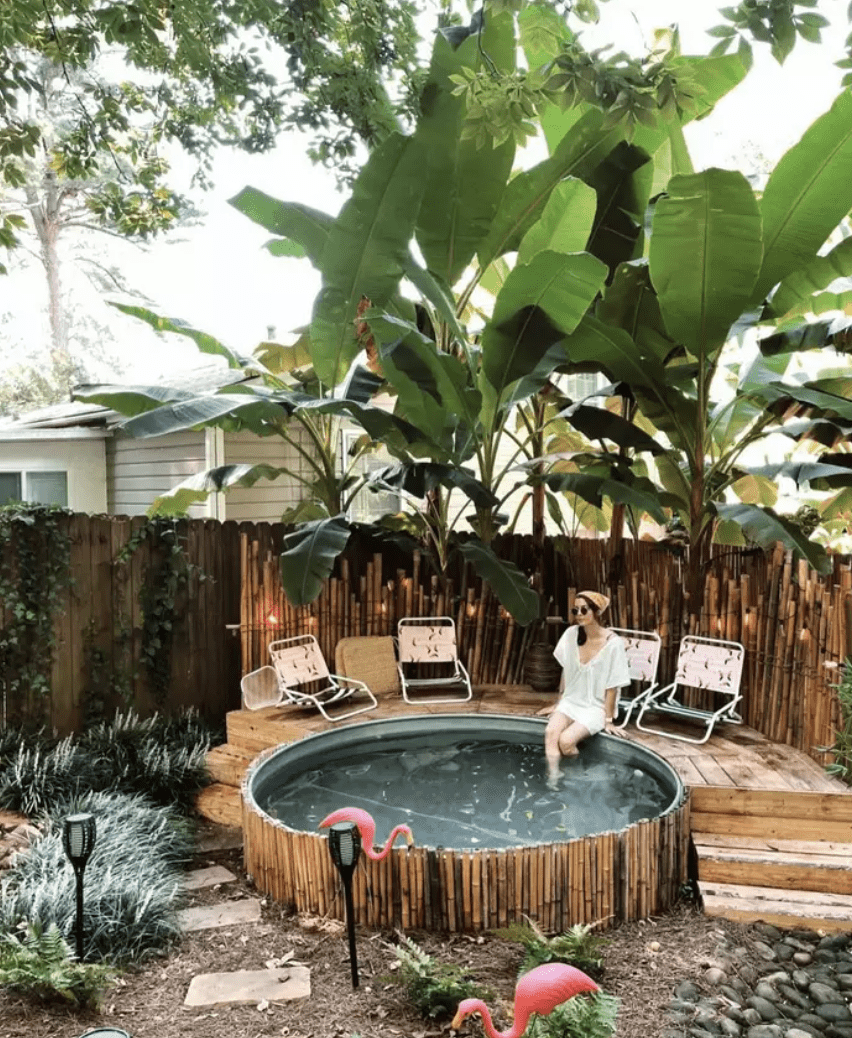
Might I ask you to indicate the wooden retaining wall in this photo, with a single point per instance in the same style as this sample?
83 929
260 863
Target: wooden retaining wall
597 879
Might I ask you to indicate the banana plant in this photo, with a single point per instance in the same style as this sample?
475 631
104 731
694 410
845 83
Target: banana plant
722 259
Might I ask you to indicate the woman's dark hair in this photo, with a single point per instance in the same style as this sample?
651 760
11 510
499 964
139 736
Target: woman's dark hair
581 633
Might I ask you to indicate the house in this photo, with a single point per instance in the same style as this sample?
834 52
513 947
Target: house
76 455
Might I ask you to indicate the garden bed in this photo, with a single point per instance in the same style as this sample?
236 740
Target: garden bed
643 962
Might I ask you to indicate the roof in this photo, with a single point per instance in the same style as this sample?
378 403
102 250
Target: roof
77 414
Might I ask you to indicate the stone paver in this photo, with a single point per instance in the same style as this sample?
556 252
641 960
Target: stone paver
195 879
249 986
231 913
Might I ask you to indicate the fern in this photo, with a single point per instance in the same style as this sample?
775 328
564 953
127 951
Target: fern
434 988
592 1016
41 966
579 947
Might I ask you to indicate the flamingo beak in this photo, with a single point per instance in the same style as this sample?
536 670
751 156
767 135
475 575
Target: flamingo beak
457 1022
409 838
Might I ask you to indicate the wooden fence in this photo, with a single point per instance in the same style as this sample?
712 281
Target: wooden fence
792 622
97 662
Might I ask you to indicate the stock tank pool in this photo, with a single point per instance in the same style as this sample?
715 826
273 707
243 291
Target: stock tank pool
493 841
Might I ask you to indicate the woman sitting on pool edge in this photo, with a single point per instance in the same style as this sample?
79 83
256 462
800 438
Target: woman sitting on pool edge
594 667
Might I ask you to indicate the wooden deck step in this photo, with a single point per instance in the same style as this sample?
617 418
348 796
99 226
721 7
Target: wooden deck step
228 764
784 908
220 803
813 865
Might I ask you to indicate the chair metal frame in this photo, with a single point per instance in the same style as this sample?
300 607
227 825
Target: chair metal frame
438 646
298 661
643 659
709 664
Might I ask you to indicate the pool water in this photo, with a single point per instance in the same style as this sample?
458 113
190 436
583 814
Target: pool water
470 793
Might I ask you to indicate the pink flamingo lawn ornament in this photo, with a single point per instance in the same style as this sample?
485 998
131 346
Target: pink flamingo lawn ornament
367 829
539 991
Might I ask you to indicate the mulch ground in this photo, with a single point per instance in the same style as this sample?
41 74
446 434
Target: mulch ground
643 963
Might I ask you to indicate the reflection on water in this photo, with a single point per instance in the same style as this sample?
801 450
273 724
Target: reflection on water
471 794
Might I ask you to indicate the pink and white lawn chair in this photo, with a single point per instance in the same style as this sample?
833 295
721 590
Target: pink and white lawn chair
643 659
299 676
428 658
705 665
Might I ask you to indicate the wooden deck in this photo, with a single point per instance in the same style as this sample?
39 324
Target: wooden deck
771 829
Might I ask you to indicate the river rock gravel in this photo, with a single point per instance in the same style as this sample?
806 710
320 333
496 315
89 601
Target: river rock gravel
777 984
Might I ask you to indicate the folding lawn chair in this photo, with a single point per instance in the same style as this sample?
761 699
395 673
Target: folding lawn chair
428 658
709 665
643 659
303 679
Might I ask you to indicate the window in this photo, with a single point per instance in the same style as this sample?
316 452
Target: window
582 384
370 505
37 487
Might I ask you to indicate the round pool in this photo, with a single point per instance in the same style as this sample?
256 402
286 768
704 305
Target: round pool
493 841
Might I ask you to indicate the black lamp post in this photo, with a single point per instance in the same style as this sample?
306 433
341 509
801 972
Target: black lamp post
78 839
344 845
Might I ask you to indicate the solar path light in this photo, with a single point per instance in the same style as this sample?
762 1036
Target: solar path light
344 845
106 1032
78 839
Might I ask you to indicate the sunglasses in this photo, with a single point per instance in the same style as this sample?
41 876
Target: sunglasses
580 610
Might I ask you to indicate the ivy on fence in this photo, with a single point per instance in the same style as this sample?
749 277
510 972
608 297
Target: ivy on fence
35 573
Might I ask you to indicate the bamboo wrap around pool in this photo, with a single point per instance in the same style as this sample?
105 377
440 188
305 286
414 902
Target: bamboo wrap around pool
600 879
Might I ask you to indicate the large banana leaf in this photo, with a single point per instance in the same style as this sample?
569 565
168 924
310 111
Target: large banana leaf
639 493
507 581
378 423
705 254
811 335
765 527
131 400
418 478
463 184
596 423
206 343
821 475
623 186
596 346
526 195
422 376
561 287
307 228
807 195
565 222
630 302
214 481
436 293
310 552
797 288
366 251
260 414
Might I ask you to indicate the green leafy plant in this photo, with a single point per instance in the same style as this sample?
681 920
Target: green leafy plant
579 947
588 1017
34 576
163 759
841 766
167 577
434 988
132 878
39 964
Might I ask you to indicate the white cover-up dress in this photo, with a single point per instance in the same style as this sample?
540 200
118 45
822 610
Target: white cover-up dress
584 690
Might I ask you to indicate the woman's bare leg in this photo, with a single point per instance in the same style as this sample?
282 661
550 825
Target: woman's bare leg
555 727
569 738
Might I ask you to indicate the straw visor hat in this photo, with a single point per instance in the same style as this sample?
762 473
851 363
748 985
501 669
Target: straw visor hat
599 601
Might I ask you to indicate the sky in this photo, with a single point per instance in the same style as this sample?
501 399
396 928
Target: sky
220 278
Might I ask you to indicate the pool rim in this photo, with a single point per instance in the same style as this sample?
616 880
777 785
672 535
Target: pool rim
509 721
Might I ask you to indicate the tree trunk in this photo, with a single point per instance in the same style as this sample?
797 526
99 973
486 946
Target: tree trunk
45 211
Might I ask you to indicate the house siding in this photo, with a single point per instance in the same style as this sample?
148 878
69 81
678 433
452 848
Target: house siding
139 470
267 499
84 461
